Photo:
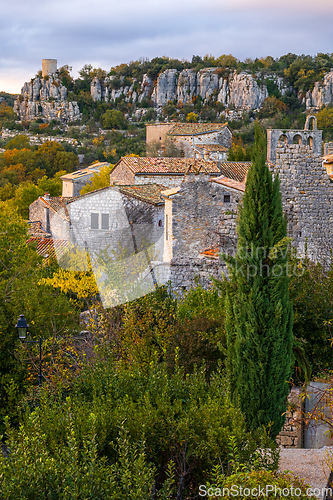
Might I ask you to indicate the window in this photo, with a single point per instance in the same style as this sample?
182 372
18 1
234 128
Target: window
93 221
226 198
99 222
166 226
159 223
105 221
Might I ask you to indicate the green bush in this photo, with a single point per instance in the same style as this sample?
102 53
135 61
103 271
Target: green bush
183 421
251 485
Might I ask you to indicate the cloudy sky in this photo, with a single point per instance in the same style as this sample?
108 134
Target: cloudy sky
108 32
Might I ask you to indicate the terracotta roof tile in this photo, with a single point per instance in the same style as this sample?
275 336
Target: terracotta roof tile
35 229
92 169
49 247
236 170
150 193
169 166
225 181
328 159
195 128
58 204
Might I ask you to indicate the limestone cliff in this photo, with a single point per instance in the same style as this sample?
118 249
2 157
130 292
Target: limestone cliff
236 91
322 94
46 98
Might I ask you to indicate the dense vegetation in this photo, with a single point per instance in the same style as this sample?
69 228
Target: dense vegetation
140 407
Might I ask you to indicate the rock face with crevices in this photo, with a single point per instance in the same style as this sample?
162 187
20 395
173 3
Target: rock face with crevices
237 90
46 98
322 94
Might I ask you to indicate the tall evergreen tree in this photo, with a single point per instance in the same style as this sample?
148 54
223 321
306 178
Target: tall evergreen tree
259 313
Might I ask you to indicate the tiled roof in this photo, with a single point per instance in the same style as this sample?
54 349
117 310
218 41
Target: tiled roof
170 192
96 167
48 247
236 170
195 128
168 166
211 147
36 230
58 204
150 193
225 181
328 159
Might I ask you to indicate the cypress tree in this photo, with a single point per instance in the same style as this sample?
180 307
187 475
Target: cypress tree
258 310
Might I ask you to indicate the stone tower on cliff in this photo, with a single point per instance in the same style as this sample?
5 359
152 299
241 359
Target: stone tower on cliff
49 67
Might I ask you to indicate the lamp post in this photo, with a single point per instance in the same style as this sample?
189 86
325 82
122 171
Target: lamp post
22 330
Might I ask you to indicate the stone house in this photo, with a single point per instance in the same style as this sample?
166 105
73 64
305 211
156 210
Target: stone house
73 182
186 137
211 152
52 213
200 217
118 218
166 171
189 206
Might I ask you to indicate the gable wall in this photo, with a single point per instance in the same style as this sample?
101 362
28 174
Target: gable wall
121 174
184 142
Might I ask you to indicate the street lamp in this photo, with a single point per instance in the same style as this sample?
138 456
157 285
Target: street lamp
22 330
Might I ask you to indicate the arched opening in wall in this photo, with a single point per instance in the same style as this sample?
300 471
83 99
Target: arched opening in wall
283 139
312 123
160 223
297 139
310 142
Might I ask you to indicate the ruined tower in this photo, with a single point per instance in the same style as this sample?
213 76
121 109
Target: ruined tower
49 66
308 137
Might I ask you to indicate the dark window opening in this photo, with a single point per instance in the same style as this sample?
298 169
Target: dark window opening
226 198
159 223
93 221
105 221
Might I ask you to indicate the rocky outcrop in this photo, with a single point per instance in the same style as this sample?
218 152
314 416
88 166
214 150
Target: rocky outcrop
166 87
237 91
46 98
322 94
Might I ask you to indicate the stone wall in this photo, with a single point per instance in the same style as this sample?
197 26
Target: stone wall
56 223
129 220
186 273
278 137
291 435
186 142
121 174
307 196
202 216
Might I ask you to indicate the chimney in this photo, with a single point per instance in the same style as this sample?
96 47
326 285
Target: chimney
47 196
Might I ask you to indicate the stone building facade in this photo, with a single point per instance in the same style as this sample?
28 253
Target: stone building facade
307 196
52 213
308 137
199 215
120 218
73 182
166 171
186 137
